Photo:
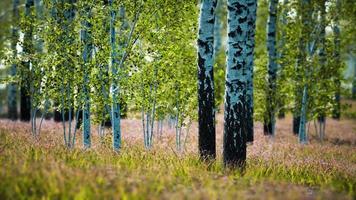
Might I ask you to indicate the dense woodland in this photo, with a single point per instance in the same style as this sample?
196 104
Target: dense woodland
90 64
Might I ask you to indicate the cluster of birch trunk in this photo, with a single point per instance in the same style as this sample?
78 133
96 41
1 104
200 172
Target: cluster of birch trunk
238 103
316 72
91 62
314 66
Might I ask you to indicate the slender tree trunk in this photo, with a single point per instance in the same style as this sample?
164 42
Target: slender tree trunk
26 79
249 69
115 107
296 121
300 64
206 113
178 127
57 115
298 88
281 46
86 38
105 82
12 88
354 80
303 120
322 63
70 13
65 17
309 43
336 113
269 121
217 28
70 16
153 113
235 130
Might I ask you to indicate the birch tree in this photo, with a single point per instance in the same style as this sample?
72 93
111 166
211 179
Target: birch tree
304 36
86 56
269 122
235 131
300 63
206 113
310 31
115 109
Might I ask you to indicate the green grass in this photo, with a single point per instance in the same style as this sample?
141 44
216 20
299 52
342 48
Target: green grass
38 170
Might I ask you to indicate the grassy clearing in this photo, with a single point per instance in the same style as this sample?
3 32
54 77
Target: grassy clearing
279 169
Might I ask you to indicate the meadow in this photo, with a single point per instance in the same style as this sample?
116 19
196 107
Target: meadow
277 168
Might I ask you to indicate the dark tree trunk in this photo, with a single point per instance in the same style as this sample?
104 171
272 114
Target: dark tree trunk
269 121
25 104
206 113
296 123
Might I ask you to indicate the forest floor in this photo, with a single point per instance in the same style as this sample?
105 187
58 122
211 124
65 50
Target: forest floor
278 168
